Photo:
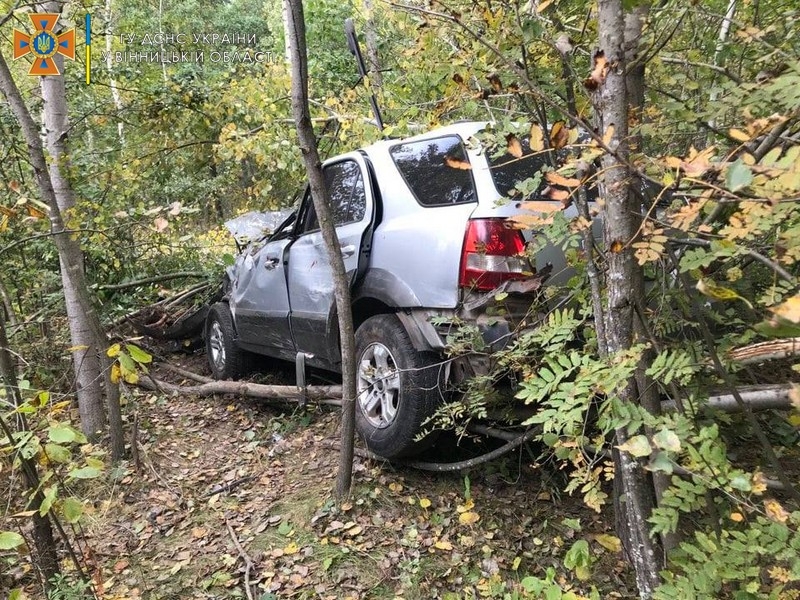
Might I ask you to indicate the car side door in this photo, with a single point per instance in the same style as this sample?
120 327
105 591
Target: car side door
310 276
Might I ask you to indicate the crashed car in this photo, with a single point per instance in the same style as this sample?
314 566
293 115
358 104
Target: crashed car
426 241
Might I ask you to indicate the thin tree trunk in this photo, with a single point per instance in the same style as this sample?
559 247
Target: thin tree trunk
620 225
43 538
87 337
296 43
112 82
371 38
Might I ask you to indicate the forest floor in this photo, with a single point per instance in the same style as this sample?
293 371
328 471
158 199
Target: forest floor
231 493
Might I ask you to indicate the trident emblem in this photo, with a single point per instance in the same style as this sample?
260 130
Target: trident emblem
43 44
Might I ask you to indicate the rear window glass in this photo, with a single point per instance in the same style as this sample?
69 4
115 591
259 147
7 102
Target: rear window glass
437 171
508 171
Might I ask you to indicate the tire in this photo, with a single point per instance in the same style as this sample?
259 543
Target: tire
226 359
397 389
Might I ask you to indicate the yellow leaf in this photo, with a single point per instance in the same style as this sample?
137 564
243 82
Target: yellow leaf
717 292
609 542
789 310
556 179
775 511
114 350
469 518
443 545
292 548
541 206
739 135
115 373
536 138
559 135
77 348
513 147
424 503
794 397
737 517
543 5
468 505
395 487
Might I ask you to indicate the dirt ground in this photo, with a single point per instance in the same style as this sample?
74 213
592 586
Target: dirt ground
233 499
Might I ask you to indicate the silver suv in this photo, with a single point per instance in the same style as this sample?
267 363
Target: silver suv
427 243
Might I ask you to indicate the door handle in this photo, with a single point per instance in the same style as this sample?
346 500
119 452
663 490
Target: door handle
270 262
348 251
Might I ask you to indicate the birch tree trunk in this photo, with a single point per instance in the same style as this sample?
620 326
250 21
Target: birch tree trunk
610 100
87 337
296 45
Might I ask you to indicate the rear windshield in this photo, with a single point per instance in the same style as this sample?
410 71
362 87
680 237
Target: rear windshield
508 171
437 171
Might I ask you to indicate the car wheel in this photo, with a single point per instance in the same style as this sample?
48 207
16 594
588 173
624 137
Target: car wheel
397 388
226 359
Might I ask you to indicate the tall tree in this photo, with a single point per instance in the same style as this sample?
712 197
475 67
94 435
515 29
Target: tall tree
611 105
91 365
296 47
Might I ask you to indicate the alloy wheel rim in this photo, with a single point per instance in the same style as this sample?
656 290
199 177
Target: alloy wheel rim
217 342
378 385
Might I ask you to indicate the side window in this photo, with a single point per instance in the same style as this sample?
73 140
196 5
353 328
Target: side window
348 198
437 171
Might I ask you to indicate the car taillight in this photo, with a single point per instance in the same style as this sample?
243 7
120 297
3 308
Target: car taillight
492 254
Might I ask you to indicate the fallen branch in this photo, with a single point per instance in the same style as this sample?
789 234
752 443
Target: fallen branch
770 350
155 279
756 397
227 487
322 394
248 562
185 373
448 467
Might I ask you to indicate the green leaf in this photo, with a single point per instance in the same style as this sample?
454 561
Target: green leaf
85 473
126 362
10 540
637 446
50 494
578 555
667 440
72 509
61 433
138 354
738 176
57 453
661 462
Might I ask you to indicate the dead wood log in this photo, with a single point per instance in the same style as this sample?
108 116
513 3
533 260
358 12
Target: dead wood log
758 397
770 350
322 394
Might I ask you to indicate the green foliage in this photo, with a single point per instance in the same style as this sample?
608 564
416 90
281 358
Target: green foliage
64 587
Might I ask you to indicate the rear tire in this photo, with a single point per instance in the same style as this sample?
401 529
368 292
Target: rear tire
226 359
397 388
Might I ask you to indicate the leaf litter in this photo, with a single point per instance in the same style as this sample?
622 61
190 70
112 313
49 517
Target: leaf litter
231 494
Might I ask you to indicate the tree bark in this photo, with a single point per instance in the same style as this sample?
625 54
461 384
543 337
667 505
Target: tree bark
87 337
43 539
371 38
610 100
296 45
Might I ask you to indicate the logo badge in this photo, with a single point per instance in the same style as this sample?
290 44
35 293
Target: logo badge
44 44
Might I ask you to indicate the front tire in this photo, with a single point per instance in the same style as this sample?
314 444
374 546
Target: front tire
397 388
226 359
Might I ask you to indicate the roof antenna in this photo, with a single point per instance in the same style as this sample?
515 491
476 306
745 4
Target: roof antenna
355 50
